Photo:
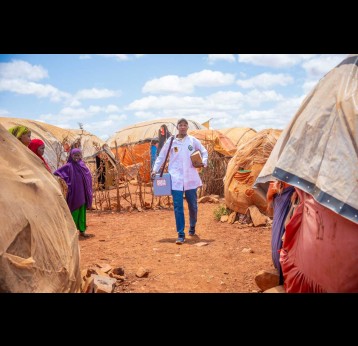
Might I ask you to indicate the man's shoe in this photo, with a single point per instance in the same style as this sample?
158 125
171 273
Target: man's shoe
180 240
191 231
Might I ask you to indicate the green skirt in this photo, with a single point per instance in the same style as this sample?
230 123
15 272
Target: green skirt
79 217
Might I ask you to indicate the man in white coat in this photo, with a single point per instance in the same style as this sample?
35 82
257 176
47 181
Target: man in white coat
184 176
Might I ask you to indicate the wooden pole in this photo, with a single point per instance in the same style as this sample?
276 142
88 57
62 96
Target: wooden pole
117 179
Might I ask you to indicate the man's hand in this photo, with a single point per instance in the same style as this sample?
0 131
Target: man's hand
152 175
199 165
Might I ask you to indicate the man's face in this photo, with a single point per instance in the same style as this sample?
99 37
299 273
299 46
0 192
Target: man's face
183 128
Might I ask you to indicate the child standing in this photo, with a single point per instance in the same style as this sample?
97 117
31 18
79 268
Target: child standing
78 178
38 147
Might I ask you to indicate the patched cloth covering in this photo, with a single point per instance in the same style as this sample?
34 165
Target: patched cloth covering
39 250
317 152
244 168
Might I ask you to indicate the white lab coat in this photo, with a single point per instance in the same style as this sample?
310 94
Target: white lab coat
183 174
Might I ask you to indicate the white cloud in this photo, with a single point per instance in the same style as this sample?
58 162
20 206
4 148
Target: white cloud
144 115
116 117
276 117
255 97
19 69
89 112
85 57
72 102
30 88
288 107
118 57
69 118
111 109
208 78
122 57
308 85
319 66
54 119
254 100
94 109
228 108
168 84
212 58
229 103
274 60
165 102
106 127
74 113
226 100
223 120
18 76
95 94
258 115
186 85
265 80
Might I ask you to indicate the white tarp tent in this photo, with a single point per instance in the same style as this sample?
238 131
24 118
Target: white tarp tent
147 130
318 151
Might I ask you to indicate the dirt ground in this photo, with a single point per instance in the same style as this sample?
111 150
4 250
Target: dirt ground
146 239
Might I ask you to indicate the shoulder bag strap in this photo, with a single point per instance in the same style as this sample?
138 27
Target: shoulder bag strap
166 158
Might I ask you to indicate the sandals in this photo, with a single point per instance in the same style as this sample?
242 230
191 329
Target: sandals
84 235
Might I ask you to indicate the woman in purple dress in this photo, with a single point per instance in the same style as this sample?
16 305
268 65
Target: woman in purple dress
78 179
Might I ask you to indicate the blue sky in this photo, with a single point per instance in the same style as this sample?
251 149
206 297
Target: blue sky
106 92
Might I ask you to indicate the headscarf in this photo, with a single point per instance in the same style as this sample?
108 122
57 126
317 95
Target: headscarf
79 181
18 131
34 145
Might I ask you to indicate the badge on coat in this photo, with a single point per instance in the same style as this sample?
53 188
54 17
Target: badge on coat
190 147
176 149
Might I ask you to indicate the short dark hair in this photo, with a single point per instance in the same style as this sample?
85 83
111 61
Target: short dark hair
182 120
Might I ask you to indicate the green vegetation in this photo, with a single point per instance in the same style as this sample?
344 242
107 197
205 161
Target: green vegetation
220 211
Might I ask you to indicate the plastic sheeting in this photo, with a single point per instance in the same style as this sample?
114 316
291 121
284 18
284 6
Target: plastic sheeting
318 151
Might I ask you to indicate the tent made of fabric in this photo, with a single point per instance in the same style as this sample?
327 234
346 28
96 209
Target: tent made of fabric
58 142
39 249
147 131
219 142
136 155
89 143
244 168
318 150
134 142
54 154
317 154
239 135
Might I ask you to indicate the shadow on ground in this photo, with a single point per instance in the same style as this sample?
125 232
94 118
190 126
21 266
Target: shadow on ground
188 240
